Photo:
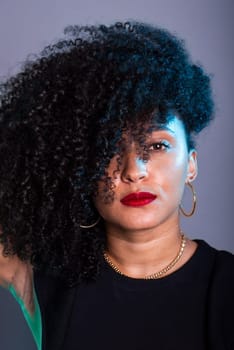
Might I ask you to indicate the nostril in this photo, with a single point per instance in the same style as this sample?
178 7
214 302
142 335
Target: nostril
134 169
133 177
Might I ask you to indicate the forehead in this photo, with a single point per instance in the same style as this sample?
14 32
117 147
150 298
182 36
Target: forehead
173 125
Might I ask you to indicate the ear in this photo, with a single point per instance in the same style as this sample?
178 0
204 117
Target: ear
192 169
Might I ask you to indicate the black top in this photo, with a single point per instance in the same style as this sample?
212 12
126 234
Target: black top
192 308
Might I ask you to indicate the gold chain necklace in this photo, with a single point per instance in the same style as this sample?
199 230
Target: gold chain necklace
156 274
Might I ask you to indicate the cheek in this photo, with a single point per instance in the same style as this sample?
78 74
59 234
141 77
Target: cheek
178 169
99 204
107 211
170 173
104 201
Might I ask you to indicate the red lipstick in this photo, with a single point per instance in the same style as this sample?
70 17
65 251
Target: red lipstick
138 199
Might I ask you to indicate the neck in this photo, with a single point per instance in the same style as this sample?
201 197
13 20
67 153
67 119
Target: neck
144 252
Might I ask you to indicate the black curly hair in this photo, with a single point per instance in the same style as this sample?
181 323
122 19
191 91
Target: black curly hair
61 120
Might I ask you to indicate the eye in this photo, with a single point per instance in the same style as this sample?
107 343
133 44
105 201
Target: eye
159 146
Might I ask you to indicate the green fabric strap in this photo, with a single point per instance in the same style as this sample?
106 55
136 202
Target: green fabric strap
33 321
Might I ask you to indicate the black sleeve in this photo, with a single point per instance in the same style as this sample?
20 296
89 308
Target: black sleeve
221 303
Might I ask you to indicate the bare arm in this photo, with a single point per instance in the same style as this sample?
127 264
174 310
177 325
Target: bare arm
19 275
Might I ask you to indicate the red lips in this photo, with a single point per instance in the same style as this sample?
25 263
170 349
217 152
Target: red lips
138 199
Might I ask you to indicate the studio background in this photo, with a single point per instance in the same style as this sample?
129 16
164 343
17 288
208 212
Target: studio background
26 26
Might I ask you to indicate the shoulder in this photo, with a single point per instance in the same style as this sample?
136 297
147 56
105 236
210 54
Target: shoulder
222 284
221 264
221 258
224 265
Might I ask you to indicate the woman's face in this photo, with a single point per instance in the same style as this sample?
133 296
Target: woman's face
148 194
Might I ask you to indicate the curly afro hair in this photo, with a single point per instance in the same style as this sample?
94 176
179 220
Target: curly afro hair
61 119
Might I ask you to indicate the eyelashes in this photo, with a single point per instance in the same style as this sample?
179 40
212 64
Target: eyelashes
158 146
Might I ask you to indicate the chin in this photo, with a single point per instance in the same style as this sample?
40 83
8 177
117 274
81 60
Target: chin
136 225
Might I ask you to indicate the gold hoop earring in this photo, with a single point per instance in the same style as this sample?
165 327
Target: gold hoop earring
92 225
194 202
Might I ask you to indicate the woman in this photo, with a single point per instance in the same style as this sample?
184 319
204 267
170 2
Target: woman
97 144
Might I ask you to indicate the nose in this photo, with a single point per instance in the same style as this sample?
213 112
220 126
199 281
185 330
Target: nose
134 169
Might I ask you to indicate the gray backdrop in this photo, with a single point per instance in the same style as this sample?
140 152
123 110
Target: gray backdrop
26 26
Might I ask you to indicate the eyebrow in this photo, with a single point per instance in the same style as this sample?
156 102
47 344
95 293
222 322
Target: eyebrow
164 128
